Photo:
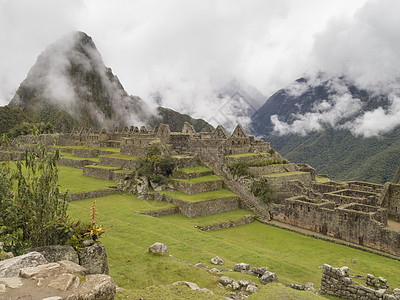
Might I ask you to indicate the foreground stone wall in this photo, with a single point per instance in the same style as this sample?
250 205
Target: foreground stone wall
337 282
101 173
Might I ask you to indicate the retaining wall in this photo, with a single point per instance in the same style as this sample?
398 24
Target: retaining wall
92 194
101 173
223 225
75 163
126 164
197 187
205 208
162 212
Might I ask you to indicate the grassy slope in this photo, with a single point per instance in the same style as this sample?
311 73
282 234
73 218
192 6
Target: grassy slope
343 156
293 257
200 179
197 169
200 196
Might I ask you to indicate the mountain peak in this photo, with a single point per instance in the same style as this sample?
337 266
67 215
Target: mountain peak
69 85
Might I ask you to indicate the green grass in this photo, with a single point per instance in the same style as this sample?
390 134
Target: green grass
124 171
200 179
322 179
242 155
103 167
197 169
277 291
111 149
295 258
284 174
121 156
69 155
221 193
233 215
165 292
76 182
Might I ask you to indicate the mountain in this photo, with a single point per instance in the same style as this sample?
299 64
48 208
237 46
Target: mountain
69 86
319 123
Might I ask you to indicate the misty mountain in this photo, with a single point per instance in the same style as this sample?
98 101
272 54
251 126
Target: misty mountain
69 86
324 122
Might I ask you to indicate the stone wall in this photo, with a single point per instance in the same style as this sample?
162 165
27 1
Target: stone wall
338 282
99 172
14 156
347 196
217 226
162 212
85 153
279 168
280 181
197 187
391 198
91 194
75 163
205 208
126 164
347 223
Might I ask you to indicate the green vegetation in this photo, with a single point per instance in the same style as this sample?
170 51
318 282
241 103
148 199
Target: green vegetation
295 258
197 169
200 179
10 117
322 178
31 210
344 156
30 128
121 156
103 167
229 216
240 155
277 291
69 155
284 174
221 193
242 167
263 190
73 179
154 166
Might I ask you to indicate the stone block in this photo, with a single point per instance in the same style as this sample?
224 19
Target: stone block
56 253
11 267
94 258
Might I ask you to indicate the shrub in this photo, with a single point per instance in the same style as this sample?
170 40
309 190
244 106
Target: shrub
240 168
32 213
263 190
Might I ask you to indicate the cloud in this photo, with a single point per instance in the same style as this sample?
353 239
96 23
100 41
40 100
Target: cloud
188 48
338 106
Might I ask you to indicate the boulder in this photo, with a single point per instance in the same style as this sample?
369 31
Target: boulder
245 283
259 271
225 280
94 258
251 288
97 287
56 253
193 286
217 261
268 277
159 248
242 267
11 267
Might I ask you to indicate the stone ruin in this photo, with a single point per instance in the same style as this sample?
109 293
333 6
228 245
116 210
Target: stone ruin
353 211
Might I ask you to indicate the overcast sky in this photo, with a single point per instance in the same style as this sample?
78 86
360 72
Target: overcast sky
188 48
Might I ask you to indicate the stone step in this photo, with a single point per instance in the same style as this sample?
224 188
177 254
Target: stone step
198 185
99 171
192 209
125 162
190 173
279 179
276 168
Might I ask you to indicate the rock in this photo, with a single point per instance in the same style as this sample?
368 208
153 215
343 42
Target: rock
269 277
200 265
217 261
206 291
56 253
159 248
251 288
190 285
53 298
53 270
97 287
245 283
11 282
39 271
225 280
260 271
87 243
2 288
235 285
94 258
353 261
242 267
299 287
11 267
62 282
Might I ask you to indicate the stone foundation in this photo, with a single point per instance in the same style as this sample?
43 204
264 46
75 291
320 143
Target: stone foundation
198 187
101 173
